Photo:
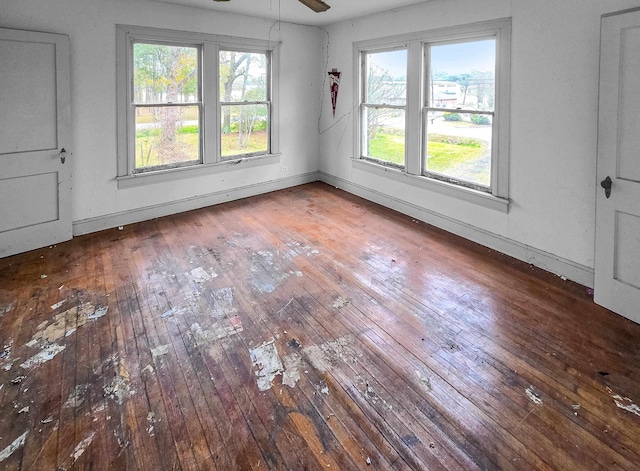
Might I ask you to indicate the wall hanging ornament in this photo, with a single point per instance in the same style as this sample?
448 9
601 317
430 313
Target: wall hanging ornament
334 84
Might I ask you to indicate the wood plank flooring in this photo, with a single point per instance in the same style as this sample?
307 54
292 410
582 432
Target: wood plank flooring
306 329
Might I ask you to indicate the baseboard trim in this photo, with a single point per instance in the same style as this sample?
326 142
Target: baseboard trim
539 258
86 226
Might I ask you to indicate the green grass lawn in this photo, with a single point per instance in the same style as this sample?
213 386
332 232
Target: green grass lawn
149 151
444 152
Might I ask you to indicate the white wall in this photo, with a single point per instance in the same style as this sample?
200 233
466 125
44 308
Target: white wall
554 96
91 26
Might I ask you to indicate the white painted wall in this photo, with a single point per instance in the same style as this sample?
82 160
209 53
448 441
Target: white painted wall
91 26
555 58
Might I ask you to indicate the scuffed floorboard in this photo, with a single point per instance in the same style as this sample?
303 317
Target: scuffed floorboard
306 329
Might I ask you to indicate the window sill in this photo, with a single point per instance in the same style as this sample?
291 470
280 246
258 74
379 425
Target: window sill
448 189
168 175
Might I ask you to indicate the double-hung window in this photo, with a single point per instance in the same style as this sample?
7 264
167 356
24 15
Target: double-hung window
189 102
435 104
384 102
244 102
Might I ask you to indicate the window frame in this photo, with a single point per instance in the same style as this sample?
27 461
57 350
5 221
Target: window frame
131 132
497 197
365 105
209 46
267 102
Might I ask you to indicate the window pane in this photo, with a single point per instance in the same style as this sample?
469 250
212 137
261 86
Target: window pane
167 135
459 146
245 129
384 134
243 76
462 75
165 74
386 77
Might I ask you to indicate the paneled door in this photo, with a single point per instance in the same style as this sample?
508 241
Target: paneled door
617 255
35 123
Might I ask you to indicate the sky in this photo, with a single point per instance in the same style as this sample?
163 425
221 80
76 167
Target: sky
455 58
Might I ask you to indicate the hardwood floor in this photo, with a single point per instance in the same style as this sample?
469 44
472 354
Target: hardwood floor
306 329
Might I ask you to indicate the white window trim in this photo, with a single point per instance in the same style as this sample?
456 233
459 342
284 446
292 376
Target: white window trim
415 43
211 161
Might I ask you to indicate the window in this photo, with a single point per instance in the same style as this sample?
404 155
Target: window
435 105
188 102
460 80
244 103
383 106
166 106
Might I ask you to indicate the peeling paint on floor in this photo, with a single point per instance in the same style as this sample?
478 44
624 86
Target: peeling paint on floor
322 357
340 302
267 273
151 420
119 388
200 275
425 382
266 363
291 374
43 356
17 443
6 362
299 249
5 308
58 304
222 300
624 403
65 323
159 350
76 398
82 446
98 313
534 395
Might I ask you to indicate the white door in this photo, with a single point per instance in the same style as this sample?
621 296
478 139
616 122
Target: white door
617 255
35 181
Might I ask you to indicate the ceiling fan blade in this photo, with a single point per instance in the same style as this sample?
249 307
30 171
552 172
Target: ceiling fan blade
316 5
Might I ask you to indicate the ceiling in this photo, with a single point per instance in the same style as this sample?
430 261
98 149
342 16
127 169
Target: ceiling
292 11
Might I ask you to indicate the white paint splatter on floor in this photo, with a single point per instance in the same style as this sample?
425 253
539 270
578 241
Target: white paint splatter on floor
6 362
43 356
200 275
266 363
17 443
534 395
82 446
98 313
58 304
159 350
624 403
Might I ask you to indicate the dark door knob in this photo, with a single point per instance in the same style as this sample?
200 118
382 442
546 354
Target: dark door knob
606 184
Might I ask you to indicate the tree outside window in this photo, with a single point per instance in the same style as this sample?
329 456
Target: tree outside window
244 103
384 106
167 105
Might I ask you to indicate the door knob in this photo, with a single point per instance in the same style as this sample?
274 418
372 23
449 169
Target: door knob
63 155
606 184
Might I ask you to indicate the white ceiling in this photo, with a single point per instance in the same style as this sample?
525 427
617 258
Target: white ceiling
293 11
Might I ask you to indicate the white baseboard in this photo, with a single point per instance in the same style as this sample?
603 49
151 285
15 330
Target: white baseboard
86 226
539 258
